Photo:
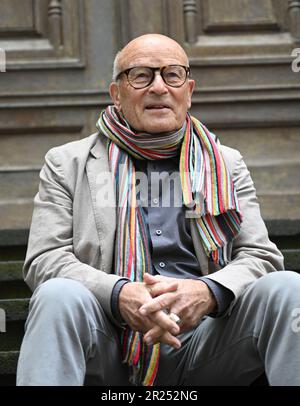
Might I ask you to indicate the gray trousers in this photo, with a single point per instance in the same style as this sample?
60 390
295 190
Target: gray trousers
70 341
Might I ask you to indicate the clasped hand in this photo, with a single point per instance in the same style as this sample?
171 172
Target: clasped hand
145 307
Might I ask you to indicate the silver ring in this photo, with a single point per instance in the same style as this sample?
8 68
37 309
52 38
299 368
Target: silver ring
174 317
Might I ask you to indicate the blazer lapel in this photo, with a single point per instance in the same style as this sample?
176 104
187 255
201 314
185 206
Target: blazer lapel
103 200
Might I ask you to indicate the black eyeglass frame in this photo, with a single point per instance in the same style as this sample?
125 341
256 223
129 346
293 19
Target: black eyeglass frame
160 69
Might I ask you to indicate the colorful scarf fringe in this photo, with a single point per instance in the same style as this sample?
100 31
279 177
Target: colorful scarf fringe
207 189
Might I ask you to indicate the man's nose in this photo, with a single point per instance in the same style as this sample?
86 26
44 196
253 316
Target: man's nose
158 85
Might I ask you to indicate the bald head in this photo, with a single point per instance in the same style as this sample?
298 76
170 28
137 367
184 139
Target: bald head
145 45
158 107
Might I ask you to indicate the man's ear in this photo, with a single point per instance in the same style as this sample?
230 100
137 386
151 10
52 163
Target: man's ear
191 85
115 95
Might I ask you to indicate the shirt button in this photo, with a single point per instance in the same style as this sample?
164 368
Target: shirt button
155 201
162 264
158 232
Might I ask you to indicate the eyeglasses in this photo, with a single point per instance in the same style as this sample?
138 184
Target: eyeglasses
140 77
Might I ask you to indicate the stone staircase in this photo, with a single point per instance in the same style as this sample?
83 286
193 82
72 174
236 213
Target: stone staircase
14 294
14 300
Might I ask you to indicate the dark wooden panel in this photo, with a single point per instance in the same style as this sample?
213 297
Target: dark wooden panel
244 15
241 29
50 33
140 16
16 16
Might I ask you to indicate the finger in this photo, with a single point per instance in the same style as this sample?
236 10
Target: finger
163 321
153 335
141 324
156 335
162 287
150 279
169 339
161 302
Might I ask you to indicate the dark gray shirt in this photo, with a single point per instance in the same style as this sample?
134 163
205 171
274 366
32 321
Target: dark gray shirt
171 245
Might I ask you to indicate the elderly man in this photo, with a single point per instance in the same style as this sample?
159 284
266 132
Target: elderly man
128 289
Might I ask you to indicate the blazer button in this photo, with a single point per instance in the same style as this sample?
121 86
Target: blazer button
162 264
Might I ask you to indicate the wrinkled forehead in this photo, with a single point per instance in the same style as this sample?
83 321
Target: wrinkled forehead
152 53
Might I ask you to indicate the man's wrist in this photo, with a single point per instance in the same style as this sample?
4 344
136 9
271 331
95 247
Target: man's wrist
115 300
223 296
213 306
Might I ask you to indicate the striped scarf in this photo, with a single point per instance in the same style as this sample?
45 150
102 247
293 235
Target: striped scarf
207 189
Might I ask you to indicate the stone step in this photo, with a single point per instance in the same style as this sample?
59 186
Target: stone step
15 309
18 184
11 271
8 362
11 339
15 237
12 284
264 145
12 253
16 215
12 237
276 178
282 228
278 206
29 147
23 184
14 290
291 259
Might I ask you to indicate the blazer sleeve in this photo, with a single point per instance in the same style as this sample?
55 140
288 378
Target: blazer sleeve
253 254
50 252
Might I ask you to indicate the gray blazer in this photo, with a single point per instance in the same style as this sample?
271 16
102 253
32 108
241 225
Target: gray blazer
72 236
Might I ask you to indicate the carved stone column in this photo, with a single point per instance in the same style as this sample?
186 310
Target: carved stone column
55 22
190 14
294 15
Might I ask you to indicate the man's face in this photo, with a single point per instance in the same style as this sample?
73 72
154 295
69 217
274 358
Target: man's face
158 108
